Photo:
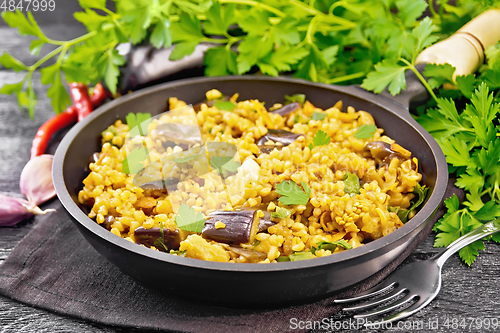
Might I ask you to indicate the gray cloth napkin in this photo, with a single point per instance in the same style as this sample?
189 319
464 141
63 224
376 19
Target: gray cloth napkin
54 268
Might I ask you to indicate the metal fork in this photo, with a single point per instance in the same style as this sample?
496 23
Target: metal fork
420 281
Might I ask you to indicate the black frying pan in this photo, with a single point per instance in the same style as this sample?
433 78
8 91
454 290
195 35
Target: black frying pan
248 283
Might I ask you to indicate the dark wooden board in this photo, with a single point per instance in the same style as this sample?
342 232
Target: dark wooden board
467 292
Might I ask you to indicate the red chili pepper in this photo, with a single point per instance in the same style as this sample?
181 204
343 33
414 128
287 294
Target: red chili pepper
98 96
82 107
81 100
51 126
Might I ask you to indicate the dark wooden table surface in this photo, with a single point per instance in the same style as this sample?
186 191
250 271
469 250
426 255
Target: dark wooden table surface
468 293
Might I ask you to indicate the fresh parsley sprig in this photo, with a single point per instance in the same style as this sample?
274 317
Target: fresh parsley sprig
189 220
468 131
320 41
292 194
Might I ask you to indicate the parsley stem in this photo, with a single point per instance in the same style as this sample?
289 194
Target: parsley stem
420 77
45 58
256 4
78 39
346 77
431 8
326 17
310 28
216 40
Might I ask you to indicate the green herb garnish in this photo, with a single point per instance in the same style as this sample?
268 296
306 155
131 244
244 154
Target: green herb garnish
351 183
178 253
138 123
319 115
281 213
225 105
292 194
224 164
160 241
301 255
320 139
133 163
365 131
185 158
324 245
189 220
301 98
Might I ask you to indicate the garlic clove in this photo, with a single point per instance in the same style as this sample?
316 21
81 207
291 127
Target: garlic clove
36 180
14 210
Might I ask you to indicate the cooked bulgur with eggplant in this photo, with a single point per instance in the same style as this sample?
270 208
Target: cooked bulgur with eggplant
234 181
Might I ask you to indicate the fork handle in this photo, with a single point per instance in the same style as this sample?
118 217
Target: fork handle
470 237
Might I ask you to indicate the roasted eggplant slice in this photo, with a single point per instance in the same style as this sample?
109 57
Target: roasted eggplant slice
383 153
180 133
148 237
281 136
238 226
250 255
287 109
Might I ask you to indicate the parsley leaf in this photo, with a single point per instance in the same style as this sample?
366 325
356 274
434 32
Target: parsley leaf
281 60
189 220
469 253
319 115
133 163
161 35
351 183
108 66
26 24
300 98
182 49
456 151
219 19
8 61
420 195
138 123
324 245
225 105
185 159
224 164
292 194
187 29
58 95
220 61
281 213
321 138
439 74
301 255
365 131
387 73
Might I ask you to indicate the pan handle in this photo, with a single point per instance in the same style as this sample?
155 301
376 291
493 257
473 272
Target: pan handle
464 50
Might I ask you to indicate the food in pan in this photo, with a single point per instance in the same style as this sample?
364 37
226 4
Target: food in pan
233 181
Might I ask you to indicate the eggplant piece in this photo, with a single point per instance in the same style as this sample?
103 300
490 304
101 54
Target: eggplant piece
108 221
266 149
148 237
180 133
287 109
251 255
240 226
264 222
382 153
281 136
